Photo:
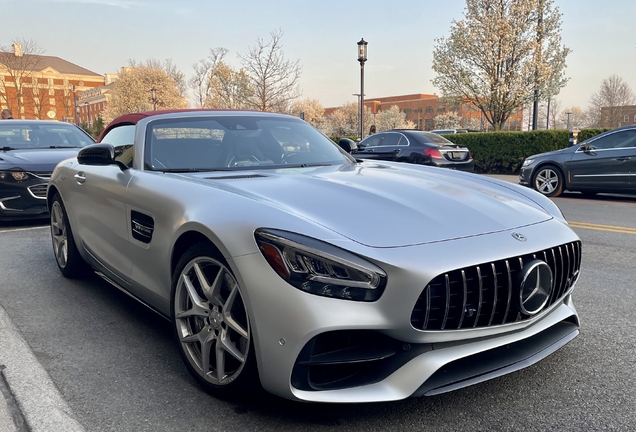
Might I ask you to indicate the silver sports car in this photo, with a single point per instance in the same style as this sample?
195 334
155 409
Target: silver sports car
283 262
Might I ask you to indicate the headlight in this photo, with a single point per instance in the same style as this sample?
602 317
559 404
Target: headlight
528 162
319 268
16 175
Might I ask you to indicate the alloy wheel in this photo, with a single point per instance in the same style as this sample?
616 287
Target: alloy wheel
59 234
211 321
547 181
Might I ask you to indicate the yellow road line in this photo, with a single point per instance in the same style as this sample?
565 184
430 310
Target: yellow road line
599 227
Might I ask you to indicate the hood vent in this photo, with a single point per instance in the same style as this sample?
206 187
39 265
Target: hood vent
236 177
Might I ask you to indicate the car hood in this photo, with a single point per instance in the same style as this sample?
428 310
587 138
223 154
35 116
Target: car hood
35 159
388 205
554 153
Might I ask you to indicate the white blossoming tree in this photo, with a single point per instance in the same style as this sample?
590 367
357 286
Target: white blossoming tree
502 55
312 109
392 118
132 91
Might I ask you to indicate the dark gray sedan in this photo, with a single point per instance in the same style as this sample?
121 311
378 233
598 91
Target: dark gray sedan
604 163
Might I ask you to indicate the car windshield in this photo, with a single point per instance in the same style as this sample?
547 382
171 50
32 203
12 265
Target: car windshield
38 136
229 143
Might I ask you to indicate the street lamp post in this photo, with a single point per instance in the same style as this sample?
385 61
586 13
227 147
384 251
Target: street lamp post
153 92
568 114
362 58
88 114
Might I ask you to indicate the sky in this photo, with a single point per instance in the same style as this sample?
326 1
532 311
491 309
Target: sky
103 35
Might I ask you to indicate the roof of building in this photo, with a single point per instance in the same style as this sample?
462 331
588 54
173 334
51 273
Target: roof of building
61 65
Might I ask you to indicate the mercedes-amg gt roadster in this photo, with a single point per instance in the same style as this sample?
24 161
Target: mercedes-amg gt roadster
285 263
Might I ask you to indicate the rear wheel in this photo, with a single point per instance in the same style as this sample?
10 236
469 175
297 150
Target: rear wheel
548 180
212 325
68 259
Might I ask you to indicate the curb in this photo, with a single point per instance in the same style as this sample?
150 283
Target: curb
38 400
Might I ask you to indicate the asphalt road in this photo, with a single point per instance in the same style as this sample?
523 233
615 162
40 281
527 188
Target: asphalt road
119 370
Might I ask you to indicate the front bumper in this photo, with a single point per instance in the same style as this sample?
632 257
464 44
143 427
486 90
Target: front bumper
285 321
462 166
23 200
525 176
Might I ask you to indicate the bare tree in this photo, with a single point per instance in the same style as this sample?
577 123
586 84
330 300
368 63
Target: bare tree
18 63
608 104
500 53
274 78
200 82
573 117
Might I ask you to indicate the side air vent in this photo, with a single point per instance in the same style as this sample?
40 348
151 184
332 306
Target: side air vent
142 226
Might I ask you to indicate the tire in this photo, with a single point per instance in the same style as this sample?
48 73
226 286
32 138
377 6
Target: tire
548 180
210 320
68 258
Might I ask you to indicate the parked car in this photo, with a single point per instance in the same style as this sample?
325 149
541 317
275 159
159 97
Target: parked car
29 150
318 276
603 163
414 146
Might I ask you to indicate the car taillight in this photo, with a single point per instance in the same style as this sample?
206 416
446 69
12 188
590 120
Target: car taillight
433 153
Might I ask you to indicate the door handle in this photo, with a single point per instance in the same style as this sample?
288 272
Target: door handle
623 159
80 178
396 151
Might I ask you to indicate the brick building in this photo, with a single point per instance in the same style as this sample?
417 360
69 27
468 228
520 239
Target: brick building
618 116
92 103
47 86
422 109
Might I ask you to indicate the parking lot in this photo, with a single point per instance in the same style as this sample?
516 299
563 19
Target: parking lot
116 366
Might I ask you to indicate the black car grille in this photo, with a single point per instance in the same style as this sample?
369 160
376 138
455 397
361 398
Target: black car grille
44 175
482 295
38 191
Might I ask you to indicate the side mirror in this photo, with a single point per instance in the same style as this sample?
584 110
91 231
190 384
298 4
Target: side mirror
585 148
100 155
348 145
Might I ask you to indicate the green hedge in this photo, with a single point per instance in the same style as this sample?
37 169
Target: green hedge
504 152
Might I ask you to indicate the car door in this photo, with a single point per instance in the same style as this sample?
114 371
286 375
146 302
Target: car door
97 196
604 163
386 146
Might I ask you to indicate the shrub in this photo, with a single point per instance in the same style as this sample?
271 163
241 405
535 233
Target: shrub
504 152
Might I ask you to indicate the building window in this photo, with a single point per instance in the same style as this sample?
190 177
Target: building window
626 118
441 109
429 109
634 118
50 81
51 92
52 101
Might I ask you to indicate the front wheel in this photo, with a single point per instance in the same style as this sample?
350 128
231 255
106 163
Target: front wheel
212 325
68 258
548 180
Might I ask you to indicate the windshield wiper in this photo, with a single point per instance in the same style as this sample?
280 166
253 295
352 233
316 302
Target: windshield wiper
65 147
5 148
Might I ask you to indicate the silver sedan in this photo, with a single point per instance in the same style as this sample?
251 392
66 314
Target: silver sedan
284 263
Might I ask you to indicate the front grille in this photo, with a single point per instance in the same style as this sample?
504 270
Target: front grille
38 191
44 175
482 295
